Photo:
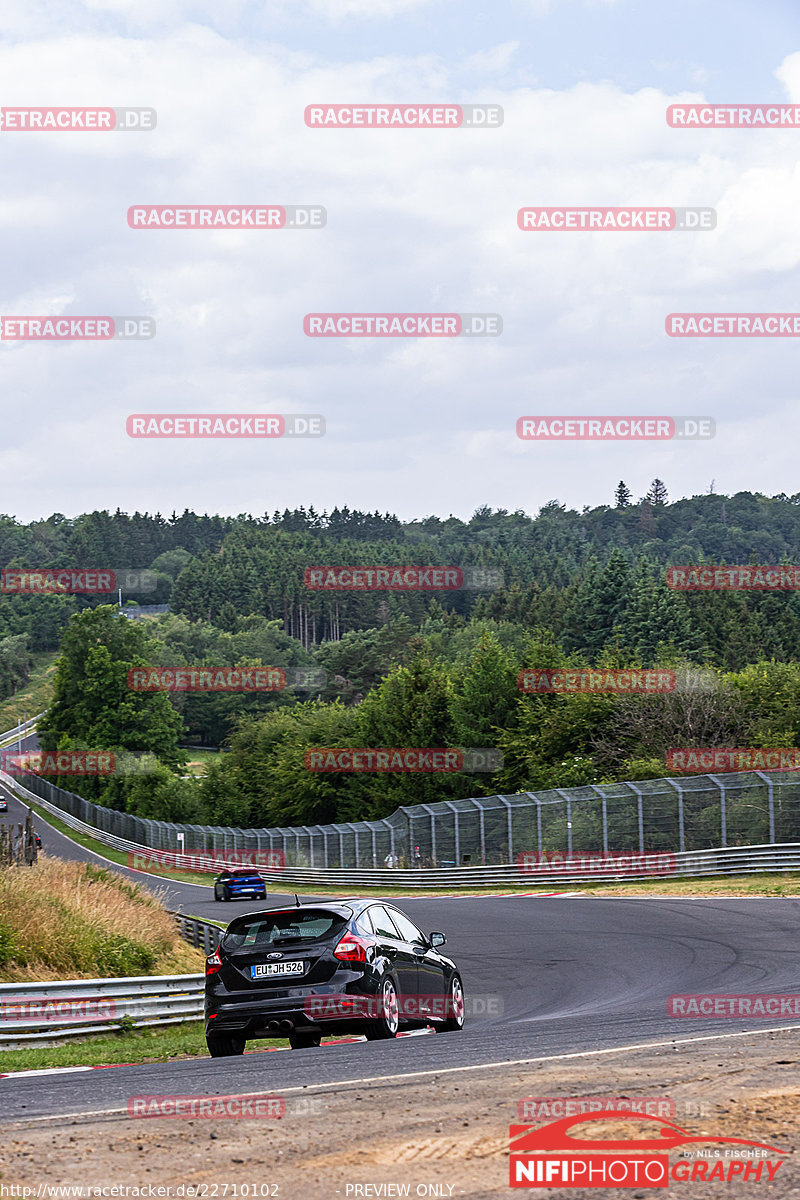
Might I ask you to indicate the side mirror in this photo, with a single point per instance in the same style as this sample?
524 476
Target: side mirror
437 939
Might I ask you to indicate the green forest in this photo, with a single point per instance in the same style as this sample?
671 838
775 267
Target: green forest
408 669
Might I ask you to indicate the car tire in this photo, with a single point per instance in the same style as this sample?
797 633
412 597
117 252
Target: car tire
455 1006
217 897
224 1047
388 1023
300 1040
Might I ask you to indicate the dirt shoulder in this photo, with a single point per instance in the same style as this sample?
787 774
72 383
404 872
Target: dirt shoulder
445 1135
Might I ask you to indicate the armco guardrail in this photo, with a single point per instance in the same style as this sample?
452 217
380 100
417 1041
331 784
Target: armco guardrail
11 735
202 934
39 1014
574 868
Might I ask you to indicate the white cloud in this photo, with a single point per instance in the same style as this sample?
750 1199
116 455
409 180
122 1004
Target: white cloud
417 221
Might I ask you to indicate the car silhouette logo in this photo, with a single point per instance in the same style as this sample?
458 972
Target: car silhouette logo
556 1135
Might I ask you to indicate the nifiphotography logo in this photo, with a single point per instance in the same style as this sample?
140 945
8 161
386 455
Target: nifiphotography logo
553 1155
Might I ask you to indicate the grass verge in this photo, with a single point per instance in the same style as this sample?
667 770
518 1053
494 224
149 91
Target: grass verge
37 693
75 920
198 760
116 856
157 1044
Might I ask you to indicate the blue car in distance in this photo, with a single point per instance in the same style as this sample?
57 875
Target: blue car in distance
240 885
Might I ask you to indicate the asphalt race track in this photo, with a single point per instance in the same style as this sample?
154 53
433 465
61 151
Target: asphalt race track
551 976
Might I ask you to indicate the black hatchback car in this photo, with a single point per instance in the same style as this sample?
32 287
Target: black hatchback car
240 885
332 968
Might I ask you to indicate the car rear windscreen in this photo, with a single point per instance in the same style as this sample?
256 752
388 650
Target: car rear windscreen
282 929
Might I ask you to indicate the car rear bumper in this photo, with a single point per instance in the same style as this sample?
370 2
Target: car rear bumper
309 1009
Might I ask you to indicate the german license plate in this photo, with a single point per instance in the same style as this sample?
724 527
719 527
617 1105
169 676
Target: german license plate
262 970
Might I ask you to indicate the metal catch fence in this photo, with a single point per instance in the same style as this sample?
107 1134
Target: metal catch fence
691 813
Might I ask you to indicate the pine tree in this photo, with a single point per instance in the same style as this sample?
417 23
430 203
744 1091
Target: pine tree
622 495
658 492
486 694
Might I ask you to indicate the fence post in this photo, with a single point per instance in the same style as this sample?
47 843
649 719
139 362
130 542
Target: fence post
564 796
771 803
640 813
391 834
432 816
605 815
483 834
681 832
456 831
723 815
538 804
508 823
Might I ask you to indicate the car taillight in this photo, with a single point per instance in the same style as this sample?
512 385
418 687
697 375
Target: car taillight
351 949
213 963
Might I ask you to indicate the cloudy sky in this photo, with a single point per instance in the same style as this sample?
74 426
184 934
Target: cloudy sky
418 221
